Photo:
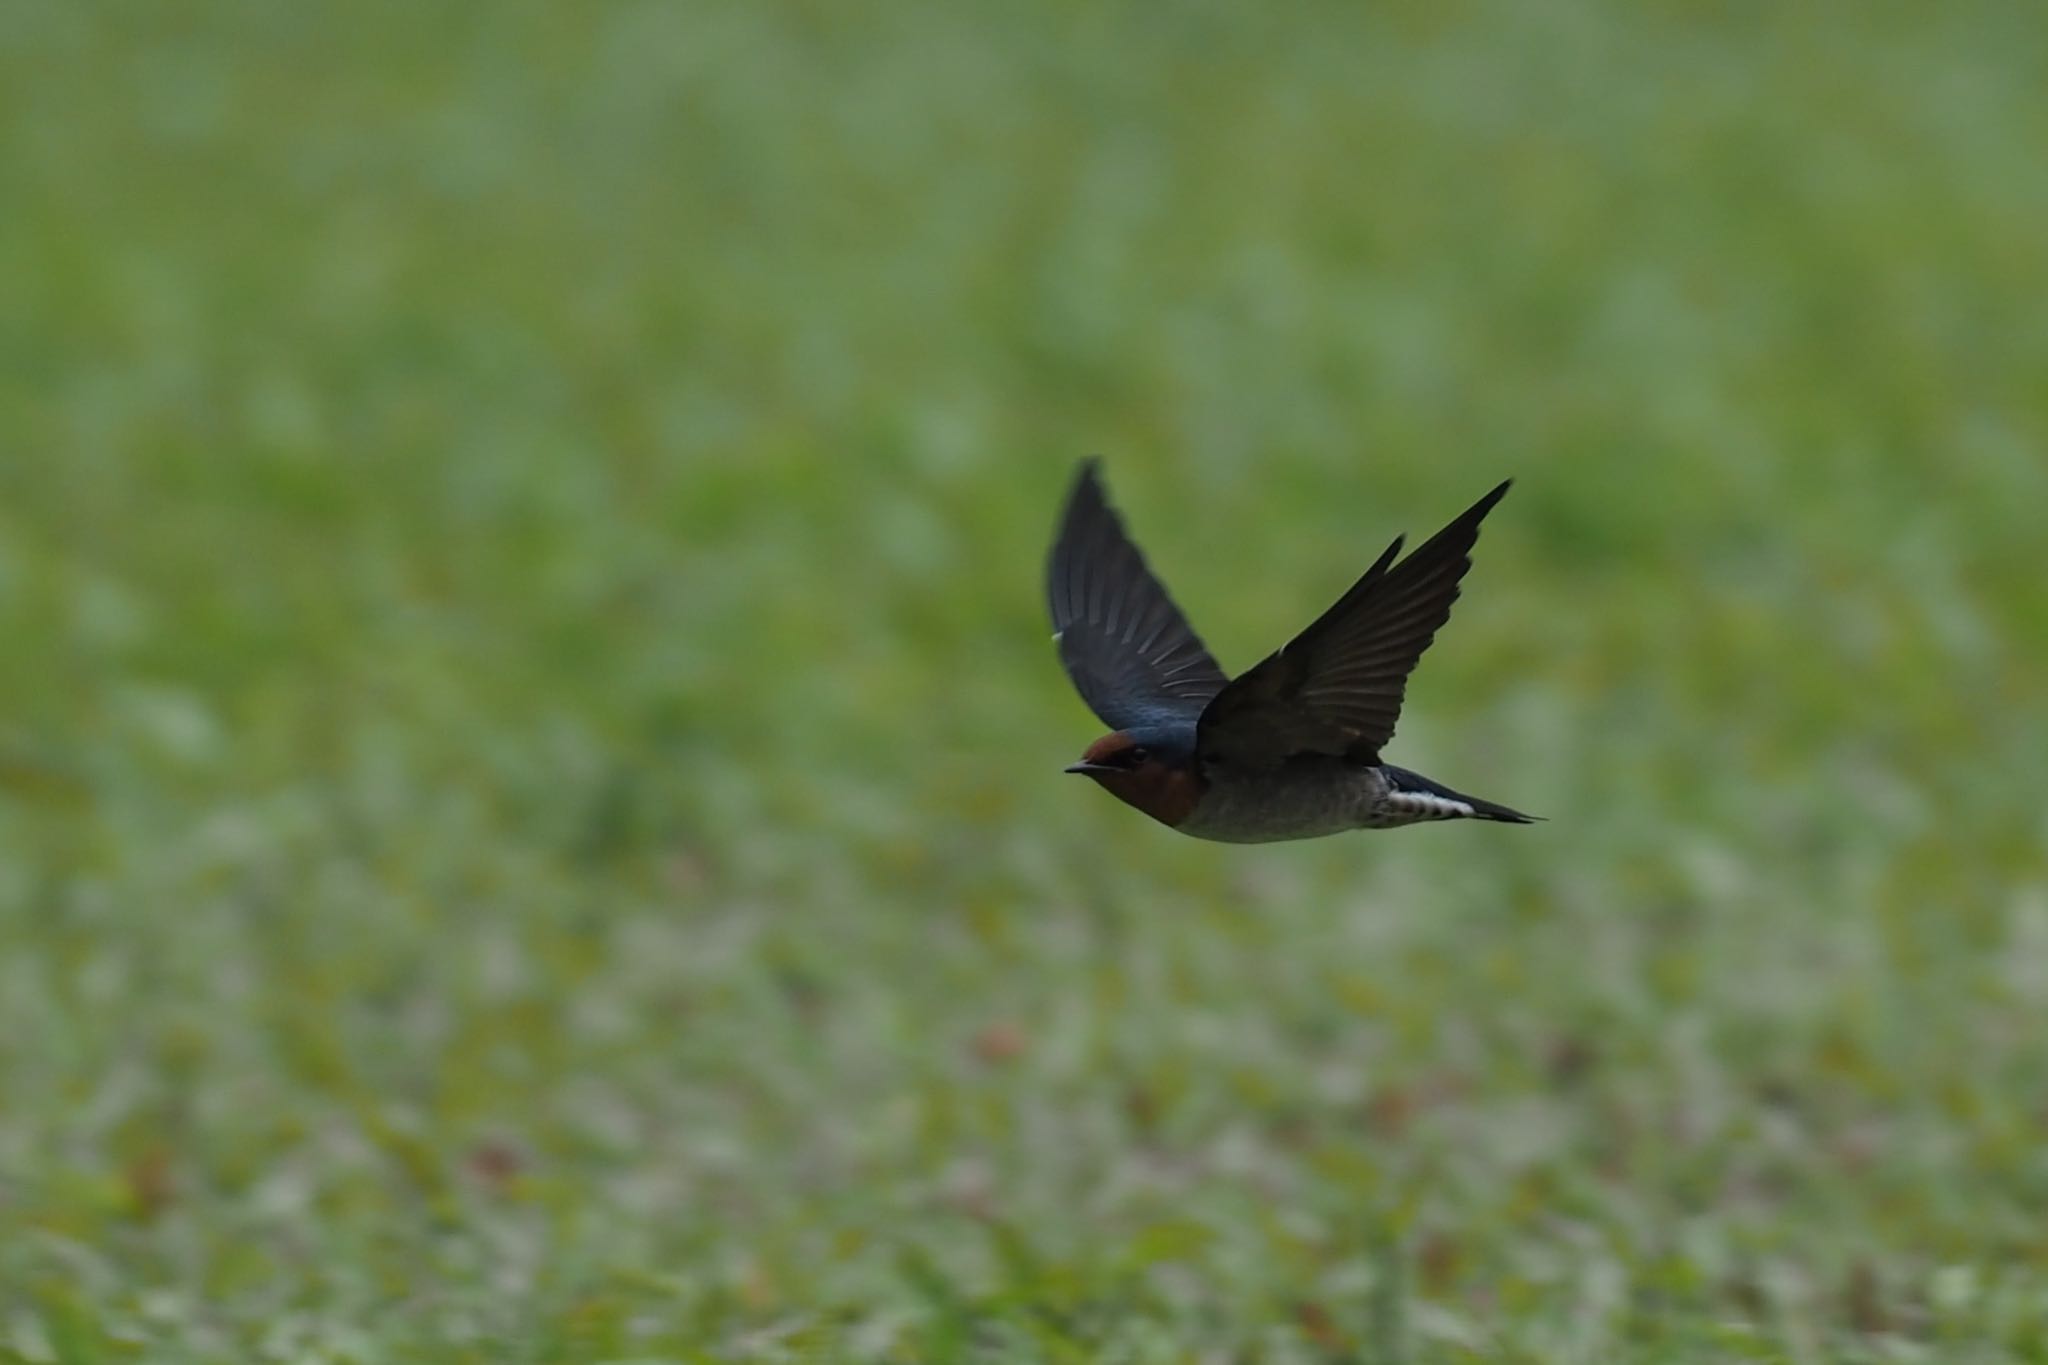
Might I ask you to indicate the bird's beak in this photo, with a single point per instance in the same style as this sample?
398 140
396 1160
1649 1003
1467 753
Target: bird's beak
1086 768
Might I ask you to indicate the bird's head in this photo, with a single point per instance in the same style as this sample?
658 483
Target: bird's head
1152 771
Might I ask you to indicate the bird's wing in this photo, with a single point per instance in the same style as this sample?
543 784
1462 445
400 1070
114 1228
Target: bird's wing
1132 655
1336 688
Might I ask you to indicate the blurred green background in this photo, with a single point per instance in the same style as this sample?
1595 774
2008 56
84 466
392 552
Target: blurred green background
530 812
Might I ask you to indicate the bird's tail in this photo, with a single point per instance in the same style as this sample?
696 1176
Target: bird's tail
1442 803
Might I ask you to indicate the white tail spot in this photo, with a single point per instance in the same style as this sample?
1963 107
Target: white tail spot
1430 806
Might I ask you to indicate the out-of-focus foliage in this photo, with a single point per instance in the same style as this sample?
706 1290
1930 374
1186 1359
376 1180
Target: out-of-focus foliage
530 822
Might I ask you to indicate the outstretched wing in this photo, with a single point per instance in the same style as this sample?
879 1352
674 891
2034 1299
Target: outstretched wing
1337 687
1132 655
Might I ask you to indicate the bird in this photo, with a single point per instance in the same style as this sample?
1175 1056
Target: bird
1288 749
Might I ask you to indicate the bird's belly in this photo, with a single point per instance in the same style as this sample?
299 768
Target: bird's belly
1260 807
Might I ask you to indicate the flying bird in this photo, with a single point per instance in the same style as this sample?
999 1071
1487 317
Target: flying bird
1289 749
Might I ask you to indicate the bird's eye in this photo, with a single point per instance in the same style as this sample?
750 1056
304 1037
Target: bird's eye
1137 753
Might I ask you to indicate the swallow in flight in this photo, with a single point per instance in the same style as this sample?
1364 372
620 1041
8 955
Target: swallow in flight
1287 750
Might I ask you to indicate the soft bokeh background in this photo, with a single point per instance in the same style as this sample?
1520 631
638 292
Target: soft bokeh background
530 822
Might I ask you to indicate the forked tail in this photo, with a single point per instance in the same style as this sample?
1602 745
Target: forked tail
1433 801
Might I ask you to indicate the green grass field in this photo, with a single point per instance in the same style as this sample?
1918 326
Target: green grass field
530 814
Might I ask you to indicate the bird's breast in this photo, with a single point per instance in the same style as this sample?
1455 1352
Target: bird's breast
1290 801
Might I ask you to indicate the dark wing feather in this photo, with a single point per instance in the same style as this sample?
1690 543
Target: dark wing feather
1337 687
1132 655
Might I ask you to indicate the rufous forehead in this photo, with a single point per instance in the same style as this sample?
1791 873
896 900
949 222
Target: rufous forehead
1108 747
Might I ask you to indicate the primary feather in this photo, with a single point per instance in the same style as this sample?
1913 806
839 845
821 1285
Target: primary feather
1132 655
